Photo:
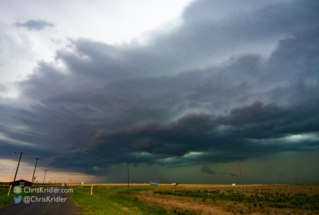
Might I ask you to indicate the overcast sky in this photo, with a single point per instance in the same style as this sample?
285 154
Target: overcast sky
179 90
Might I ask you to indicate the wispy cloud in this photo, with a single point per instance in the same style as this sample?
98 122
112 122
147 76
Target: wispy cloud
34 24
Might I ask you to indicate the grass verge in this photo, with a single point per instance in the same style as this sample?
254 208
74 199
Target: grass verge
115 200
7 200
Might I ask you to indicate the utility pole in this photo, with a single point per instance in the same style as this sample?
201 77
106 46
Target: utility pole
18 164
44 175
242 182
128 177
278 178
296 179
235 173
281 178
235 170
35 168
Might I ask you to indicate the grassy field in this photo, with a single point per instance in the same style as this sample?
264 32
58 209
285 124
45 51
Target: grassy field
190 199
198 199
114 200
257 198
7 200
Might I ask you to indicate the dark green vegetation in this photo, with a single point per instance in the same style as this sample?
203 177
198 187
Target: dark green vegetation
7 200
116 200
256 198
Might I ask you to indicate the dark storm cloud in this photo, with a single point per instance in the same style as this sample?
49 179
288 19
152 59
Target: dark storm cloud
207 170
197 132
117 107
193 44
165 103
34 24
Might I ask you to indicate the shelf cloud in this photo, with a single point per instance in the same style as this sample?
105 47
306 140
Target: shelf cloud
210 86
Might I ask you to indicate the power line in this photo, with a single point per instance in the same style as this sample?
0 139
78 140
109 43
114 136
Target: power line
128 177
278 178
242 182
44 175
35 168
21 153
235 173
235 170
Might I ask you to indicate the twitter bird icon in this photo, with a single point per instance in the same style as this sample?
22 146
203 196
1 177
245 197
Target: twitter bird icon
17 199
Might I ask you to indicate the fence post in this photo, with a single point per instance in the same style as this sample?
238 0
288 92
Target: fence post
9 190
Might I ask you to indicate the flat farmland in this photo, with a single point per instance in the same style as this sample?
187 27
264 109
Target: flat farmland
196 199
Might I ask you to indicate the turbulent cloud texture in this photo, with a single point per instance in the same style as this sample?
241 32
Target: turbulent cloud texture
206 91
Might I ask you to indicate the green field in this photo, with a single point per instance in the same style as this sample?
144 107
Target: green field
191 199
7 200
256 198
116 200
261 199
